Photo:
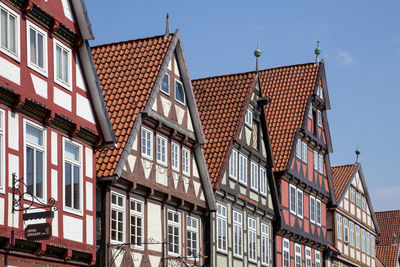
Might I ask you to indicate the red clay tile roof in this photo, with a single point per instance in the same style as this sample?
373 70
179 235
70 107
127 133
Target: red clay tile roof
378 263
388 254
289 89
127 73
389 222
222 102
341 176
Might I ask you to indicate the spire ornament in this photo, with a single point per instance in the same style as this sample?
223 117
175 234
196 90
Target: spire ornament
358 152
167 27
257 54
317 52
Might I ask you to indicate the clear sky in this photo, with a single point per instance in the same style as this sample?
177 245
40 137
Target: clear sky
360 43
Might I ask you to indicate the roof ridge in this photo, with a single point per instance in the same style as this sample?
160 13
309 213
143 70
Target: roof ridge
127 41
345 165
387 211
224 75
287 66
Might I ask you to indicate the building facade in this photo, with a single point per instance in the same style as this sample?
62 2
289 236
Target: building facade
154 193
300 144
355 226
51 121
239 160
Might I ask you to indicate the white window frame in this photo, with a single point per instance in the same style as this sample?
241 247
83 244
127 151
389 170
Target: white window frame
121 209
233 164
364 203
254 176
317 256
372 246
352 194
243 169
38 30
174 225
2 152
339 226
358 199
169 89
313 208
80 165
248 119
263 182
186 161
252 235
300 203
193 230
321 164
297 255
43 149
285 249
310 109
319 118
304 152
175 159
345 229
183 90
64 84
308 256
144 147
299 148
237 229
160 154
140 215
367 243
318 208
315 154
351 232
358 237
6 50
293 209
264 244
221 228
362 239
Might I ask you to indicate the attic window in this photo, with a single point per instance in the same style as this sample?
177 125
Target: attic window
179 92
249 118
165 84
320 91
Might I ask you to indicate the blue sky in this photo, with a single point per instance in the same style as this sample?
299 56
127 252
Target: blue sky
360 42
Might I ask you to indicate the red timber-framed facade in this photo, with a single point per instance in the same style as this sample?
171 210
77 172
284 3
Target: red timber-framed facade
355 226
300 143
52 119
239 161
154 192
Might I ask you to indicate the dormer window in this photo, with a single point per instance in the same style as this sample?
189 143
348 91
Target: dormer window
248 119
179 92
165 84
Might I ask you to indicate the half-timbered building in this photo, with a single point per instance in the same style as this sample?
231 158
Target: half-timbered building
388 243
354 225
51 120
154 192
300 144
239 161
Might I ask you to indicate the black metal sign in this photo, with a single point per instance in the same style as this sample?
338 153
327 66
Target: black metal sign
37 215
40 231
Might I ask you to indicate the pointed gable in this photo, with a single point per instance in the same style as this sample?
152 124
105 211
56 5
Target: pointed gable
127 72
289 89
341 176
222 103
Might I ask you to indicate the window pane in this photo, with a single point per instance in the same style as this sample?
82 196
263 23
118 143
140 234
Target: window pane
32 46
40 50
76 188
3 28
29 169
39 174
71 151
58 62
68 185
179 93
12 34
34 135
65 66
165 84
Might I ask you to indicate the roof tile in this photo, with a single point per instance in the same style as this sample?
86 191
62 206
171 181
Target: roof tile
341 176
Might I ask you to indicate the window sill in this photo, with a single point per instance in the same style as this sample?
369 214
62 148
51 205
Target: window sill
40 71
133 247
232 178
10 54
243 183
222 252
63 85
254 189
253 261
240 257
73 211
145 156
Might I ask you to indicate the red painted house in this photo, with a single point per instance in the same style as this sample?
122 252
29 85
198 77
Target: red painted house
300 143
52 119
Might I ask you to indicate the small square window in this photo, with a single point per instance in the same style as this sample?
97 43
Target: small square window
179 92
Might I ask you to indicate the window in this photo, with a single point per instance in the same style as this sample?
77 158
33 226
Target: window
221 228
321 163
165 84
352 194
315 160
192 228
62 65
319 118
179 92
117 217
368 243
317 256
237 234
310 108
351 230
242 169
147 143
248 119
72 175
312 209
286 253
298 148
264 244
339 226
137 223
175 156
319 91
304 152
2 153
161 148
372 246
174 235
299 203
252 229
357 236
9 27
318 212
297 255
263 182
362 240
233 165
185 161
308 257
254 140
346 229
254 176
364 203
358 194
35 161
37 48
292 199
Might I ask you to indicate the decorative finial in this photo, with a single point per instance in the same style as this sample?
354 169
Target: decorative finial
394 238
257 54
358 152
317 51
167 28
